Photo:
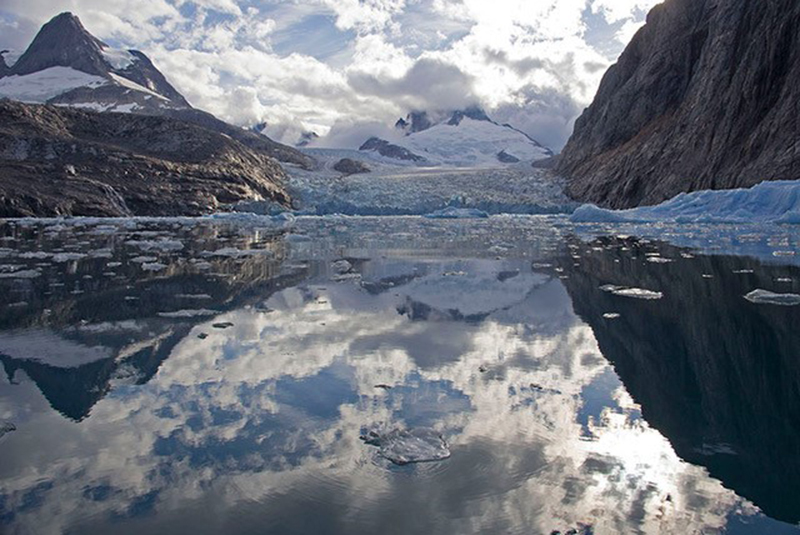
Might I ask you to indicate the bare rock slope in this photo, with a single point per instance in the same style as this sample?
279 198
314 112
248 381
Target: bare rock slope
706 96
63 161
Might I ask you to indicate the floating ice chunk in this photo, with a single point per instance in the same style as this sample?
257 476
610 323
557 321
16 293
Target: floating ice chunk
156 245
25 274
611 315
405 446
765 297
636 293
68 257
232 252
457 213
35 255
153 266
143 259
188 313
658 260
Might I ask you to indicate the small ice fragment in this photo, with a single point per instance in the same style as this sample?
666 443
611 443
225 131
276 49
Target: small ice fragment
743 272
405 446
67 257
765 297
658 260
638 293
457 213
188 313
25 274
611 315
342 266
153 266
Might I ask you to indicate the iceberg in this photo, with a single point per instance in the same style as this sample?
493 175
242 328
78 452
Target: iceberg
768 202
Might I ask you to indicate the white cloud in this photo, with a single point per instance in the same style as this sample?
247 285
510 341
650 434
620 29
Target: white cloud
534 63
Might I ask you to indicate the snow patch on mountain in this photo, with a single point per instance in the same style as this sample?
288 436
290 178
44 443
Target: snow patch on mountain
118 59
121 80
41 86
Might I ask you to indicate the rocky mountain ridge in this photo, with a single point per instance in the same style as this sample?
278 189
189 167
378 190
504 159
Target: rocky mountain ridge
704 97
57 161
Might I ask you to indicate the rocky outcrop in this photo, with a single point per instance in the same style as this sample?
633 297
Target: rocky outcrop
704 97
348 166
390 150
62 161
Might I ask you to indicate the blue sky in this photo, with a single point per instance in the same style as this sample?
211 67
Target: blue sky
346 67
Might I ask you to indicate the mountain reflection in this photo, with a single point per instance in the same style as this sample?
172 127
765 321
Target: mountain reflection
716 374
229 390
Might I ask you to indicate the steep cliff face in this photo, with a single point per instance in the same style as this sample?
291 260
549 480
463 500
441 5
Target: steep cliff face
61 161
706 96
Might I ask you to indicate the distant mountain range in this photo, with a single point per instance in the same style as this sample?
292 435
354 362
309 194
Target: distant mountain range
462 138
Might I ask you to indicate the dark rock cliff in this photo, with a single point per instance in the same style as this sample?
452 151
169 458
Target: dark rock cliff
706 96
62 161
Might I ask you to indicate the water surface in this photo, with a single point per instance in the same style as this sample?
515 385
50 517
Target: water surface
216 375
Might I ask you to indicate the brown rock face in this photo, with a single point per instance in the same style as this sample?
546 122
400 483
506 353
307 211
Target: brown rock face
61 161
706 96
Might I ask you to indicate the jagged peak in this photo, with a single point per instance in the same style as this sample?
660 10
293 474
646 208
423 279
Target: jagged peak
64 42
420 120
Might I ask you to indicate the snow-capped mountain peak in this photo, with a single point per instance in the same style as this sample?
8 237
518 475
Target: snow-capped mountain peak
460 138
67 65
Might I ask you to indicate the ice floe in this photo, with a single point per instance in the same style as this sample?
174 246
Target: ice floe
636 293
765 297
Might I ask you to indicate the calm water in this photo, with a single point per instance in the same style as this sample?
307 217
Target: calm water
210 376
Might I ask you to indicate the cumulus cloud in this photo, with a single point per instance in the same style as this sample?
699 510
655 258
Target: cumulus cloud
532 63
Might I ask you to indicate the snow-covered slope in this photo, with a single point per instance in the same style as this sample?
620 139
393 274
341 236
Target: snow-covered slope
39 87
464 138
768 202
474 143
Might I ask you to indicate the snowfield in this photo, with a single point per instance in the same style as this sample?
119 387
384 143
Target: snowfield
392 189
472 144
767 202
39 87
